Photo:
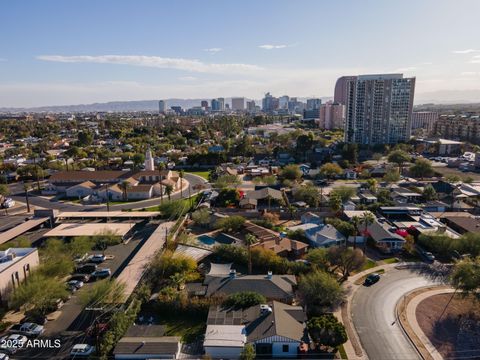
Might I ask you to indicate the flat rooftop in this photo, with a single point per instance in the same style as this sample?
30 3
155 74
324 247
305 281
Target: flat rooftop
76 229
21 229
107 214
20 253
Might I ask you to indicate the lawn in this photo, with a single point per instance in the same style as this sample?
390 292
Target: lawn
203 174
187 326
342 352
390 260
369 264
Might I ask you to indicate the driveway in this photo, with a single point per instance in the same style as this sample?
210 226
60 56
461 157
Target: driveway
374 317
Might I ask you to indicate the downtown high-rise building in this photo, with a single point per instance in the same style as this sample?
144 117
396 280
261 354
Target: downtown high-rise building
332 116
238 104
269 103
378 109
162 106
221 104
340 94
313 104
215 105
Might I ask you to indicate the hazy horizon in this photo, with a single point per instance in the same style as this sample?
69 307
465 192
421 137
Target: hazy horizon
66 53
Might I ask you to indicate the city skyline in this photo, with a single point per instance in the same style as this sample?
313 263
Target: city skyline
118 51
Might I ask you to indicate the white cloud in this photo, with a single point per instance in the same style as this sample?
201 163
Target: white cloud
187 78
213 50
271 47
405 69
466 51
191 65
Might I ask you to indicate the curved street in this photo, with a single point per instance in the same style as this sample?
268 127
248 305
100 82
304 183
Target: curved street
374 317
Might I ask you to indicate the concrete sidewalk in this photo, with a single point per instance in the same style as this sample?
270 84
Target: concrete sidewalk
353 347
420 340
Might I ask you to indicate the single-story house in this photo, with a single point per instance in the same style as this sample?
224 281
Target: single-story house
81 190
273 287
325 236
276 330
385 237
311 218
147 342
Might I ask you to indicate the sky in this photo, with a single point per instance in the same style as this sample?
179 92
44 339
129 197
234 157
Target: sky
57 52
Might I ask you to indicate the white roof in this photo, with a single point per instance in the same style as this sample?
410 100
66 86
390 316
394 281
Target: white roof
225 336
105 214
78 229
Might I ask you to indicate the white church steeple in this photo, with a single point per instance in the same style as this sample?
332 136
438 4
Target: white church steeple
149 163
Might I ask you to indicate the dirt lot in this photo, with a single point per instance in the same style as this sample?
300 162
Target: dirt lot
455 332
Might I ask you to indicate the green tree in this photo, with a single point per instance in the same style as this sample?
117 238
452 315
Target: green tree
319 290
318 258
350 153
391 176
124 186
169 191
244 299
466 276
201 217
326 330
335 202
367 218
429 193
4 190
85 139
346 259
248 352
422 168
226 181
344 192
227 197
308 193
103 292
138 159
167 264
39 293
399 157
344 227
250 240
291 172
330 170
231 223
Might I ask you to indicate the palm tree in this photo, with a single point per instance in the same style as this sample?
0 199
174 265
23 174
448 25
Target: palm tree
160 169
26 187
181 174
168 190
355 222
179 280
250 240
125 185
368 219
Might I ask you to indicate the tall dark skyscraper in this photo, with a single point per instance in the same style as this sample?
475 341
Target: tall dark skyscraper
378 109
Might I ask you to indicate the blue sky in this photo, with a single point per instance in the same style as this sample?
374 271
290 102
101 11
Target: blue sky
70 52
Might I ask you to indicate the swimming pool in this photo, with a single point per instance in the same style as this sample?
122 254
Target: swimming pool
205 239
218 239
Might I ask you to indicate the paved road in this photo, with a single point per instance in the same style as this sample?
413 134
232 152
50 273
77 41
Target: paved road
42 202
373 314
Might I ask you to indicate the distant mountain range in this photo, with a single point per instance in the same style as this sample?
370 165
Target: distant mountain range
441 97
120 106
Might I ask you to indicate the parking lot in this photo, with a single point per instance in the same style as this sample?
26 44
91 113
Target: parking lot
73 321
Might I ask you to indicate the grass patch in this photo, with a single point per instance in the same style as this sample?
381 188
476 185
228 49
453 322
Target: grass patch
362 279
392 260
342 352
203 174
187 326
369 264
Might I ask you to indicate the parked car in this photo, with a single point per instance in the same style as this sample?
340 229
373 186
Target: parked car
75 283
11 343
80 258
372 279
8 203
96 258
80 350
87 268
27 329
34 317
80 277
429 256
102 273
